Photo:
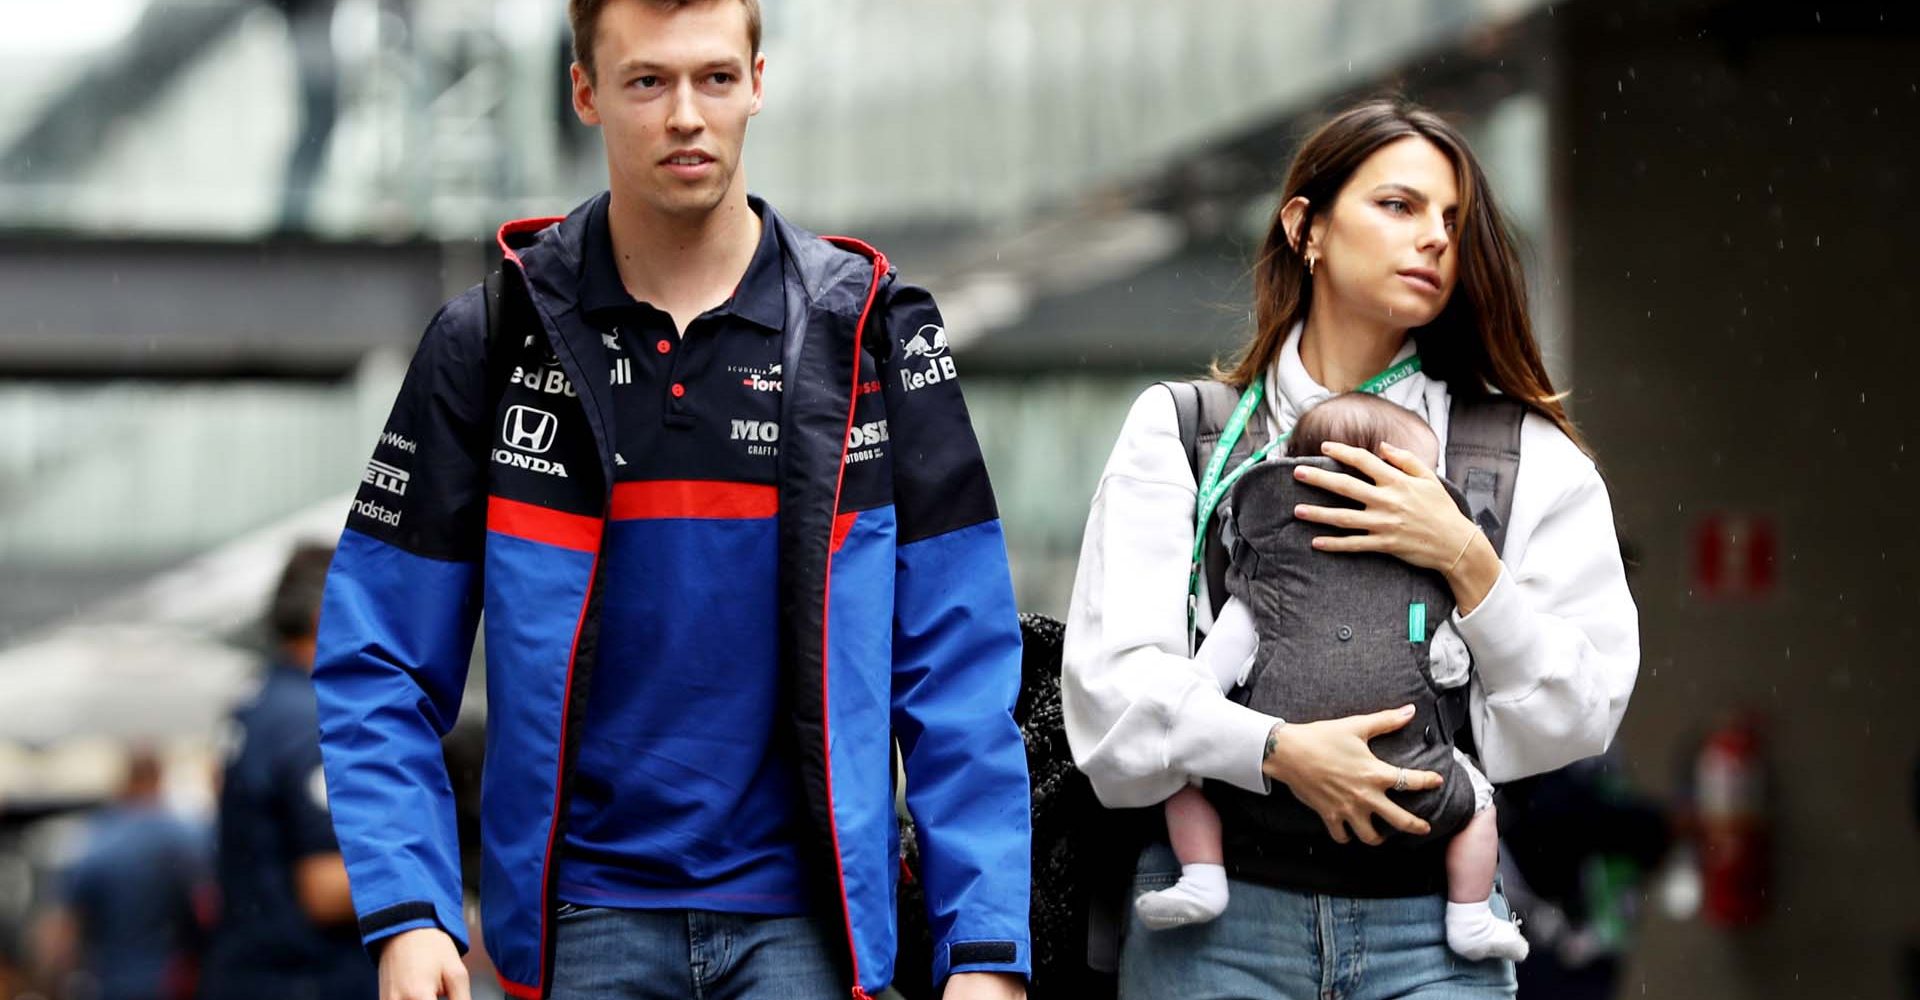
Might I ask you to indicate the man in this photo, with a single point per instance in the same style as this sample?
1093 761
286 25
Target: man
713 483
286 917
129 916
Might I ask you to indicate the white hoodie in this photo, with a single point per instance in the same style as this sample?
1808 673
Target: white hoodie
1554 646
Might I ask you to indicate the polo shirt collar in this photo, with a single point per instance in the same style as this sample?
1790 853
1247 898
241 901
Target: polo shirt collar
759 299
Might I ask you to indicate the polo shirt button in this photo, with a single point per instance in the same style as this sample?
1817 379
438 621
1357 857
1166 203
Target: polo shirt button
1345 632
663 347
679 390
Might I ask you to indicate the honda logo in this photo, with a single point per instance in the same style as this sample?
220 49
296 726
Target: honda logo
529 430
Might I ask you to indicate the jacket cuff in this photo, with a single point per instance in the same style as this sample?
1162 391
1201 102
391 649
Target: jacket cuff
413 915
1008 956
1220 739
1498 633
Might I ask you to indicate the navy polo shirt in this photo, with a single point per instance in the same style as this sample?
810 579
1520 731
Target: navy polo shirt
273 813
685 790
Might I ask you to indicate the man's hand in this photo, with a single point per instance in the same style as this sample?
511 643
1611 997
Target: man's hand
985 986
421 965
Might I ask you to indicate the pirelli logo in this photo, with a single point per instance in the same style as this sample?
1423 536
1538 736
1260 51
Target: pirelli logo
387 477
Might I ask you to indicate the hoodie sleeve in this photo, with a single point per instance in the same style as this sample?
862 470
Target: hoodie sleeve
1556 643
956 658
396 634
1141 716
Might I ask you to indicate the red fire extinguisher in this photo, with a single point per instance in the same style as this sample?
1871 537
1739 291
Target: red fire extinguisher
1735 854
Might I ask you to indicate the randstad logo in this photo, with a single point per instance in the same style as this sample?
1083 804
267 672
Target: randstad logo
373 511
529 430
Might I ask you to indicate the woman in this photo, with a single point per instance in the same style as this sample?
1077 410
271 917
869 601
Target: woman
1387 245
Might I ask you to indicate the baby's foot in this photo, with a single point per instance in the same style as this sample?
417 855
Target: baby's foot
1199 896
1474 932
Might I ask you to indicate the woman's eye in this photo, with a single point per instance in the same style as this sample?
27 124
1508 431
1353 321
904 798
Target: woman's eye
1396 206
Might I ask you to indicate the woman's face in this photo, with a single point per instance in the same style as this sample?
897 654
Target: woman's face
1386 250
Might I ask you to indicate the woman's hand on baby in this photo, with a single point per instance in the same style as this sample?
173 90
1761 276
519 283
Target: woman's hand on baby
1328 766
1408 511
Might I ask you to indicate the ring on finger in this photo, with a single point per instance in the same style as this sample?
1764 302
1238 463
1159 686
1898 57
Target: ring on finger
1400 781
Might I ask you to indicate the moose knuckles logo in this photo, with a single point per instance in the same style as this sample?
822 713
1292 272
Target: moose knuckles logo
762 436
864 441
529 431
929 342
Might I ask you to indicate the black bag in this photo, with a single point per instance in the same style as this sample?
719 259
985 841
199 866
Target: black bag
1073 844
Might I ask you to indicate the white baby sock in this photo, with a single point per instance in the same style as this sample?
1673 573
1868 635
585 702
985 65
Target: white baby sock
1474 932
1199 896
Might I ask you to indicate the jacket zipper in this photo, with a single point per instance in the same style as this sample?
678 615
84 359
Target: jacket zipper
826 714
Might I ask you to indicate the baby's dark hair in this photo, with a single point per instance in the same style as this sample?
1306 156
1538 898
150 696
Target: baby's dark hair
1363 420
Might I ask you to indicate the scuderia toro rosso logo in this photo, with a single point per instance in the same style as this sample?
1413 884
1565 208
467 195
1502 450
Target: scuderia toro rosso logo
929 343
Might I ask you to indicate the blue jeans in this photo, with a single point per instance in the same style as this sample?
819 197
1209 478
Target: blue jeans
1272 943
609 954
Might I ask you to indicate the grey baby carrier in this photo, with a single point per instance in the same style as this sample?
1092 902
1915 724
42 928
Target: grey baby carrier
1341 634
1266 843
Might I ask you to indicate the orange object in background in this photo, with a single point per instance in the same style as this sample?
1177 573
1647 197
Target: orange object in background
1734 824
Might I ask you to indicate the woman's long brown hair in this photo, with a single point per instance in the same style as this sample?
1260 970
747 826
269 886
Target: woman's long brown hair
1482 339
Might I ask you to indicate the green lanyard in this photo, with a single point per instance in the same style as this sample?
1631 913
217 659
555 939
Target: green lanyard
1214 486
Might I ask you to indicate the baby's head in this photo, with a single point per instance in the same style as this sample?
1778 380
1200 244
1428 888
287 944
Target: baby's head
1363 420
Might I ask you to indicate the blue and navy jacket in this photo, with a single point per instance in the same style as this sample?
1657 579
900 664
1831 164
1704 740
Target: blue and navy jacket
897 618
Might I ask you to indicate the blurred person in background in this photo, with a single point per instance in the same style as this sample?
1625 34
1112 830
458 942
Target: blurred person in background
647 451
127 923
310 30
1579 846
286 927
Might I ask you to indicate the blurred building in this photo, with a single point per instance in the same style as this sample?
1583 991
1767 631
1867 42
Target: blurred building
1713 194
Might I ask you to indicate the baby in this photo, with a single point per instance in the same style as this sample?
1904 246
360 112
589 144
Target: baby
1265 634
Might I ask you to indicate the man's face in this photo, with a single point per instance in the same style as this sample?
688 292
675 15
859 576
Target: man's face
672 92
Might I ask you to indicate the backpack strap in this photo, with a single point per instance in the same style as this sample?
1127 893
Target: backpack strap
508 308
1483 459
1186 409
1203 407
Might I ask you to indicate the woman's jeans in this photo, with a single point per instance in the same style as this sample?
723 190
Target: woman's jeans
611 954
1272 943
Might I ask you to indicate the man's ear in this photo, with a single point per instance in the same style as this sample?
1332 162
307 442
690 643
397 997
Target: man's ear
584 100
759 72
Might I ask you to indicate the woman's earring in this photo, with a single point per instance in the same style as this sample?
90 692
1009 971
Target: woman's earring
1311 260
